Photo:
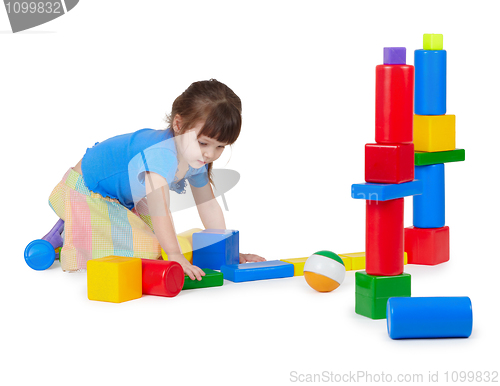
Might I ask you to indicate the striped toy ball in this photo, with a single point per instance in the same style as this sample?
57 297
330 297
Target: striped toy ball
324 271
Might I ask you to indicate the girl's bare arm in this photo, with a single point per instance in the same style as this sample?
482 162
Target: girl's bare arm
158 196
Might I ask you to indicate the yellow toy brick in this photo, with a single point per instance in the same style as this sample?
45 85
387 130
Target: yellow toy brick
298 265
186 243
433 42
432 133
347 262
358 260
114 279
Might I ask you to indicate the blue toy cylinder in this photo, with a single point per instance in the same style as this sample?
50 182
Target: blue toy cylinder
429 207
430 82
429 317
39 254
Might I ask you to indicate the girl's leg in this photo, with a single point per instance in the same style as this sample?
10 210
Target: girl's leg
97 226
54 236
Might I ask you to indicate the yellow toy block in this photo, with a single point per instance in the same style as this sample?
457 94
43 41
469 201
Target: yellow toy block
298 265
114 279
186 243
432 133
433 42
358 260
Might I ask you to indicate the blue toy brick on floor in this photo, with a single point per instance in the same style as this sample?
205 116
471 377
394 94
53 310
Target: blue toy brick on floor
273 269
384 192
429 317
213 248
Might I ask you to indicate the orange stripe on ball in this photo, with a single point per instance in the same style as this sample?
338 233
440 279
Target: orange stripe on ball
319 282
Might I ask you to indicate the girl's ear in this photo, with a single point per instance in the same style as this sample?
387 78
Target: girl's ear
177 123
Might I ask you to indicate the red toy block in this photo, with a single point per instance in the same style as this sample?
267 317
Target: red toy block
384 237
427 246
394 103
162 278
389 163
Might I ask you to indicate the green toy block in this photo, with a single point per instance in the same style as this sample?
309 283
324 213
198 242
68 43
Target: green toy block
211 279
433 42
373 308
439 157
383 286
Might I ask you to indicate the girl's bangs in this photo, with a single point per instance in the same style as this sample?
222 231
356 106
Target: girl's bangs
223 123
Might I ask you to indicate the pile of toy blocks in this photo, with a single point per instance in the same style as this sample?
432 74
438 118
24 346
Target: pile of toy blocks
427 241
389 176
216 251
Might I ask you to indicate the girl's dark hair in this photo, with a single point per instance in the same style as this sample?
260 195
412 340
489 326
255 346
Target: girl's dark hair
214 103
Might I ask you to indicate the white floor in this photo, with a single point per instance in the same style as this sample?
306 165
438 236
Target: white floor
272 332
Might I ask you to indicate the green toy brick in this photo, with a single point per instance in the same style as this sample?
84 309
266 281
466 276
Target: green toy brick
383 286
373 308
433 42
439 157
211 279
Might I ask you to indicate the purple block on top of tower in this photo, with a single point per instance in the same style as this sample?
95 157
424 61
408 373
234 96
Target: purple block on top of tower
394 55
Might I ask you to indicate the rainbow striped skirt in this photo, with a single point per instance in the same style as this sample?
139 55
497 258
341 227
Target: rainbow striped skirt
97 226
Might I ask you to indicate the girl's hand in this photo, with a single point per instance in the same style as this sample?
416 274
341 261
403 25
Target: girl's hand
245 258
192 271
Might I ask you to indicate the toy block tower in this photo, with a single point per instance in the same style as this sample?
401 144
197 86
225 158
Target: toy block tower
427 241
389 176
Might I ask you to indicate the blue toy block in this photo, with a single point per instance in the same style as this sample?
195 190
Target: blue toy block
394 55
429 317
430 82
213 248
429 207
273 269
384 192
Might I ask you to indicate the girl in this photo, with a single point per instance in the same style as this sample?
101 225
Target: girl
115 201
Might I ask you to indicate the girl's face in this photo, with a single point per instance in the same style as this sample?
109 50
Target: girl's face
198 150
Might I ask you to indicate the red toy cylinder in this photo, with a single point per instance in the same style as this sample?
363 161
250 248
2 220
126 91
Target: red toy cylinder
384 237
162 278
394 103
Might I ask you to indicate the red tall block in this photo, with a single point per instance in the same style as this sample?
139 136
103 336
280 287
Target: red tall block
394 103
162 278
389 163
384 237
427 246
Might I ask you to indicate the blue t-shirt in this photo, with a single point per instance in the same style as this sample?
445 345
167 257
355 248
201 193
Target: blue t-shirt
116 167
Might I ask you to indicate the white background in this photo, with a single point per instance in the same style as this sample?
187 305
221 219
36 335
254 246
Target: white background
305 72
